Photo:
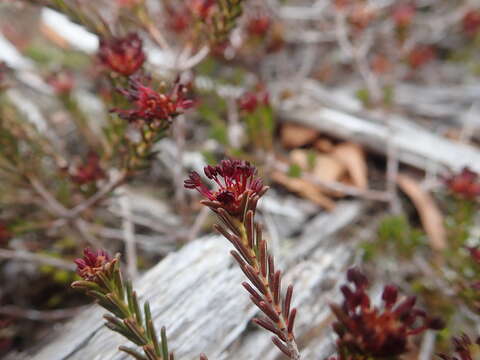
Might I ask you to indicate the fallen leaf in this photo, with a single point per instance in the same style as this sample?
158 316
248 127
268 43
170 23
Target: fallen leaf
323 167
352 157
430 215
304 189
294 135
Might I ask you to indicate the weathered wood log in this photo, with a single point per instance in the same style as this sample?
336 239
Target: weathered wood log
342 117
196 294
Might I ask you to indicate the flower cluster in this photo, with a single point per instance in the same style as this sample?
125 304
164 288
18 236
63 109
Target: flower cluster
152 106
93 263
122 55
235 201
88 172
250 101
103 280
464 347
367 331
237 182
465 184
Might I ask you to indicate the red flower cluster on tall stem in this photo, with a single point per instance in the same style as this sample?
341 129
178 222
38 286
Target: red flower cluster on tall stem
236 181
465 184
151 105
367 331
92 263
122 55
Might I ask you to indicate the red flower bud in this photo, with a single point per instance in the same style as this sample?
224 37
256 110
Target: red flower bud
465 184
151 105
122 55
92 263
234 179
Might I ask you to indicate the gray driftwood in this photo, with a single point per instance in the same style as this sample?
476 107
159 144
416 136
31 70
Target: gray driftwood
337 113
196 294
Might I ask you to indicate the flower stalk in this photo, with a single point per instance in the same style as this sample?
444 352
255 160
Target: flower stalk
235 203
102 280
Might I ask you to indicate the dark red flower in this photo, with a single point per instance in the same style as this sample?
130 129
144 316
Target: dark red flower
250 101
463 347
258 26
420 56
466 183
151 105
369 331
471 22
92 263
88 172
122 55
403 15
234 179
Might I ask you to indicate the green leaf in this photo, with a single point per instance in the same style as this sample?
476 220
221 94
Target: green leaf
163 334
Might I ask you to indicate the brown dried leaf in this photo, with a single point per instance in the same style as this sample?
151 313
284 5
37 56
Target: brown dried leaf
352 157
304 188
430 215
324 168
294 135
